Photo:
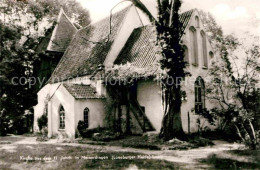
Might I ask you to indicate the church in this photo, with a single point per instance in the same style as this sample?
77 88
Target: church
74 92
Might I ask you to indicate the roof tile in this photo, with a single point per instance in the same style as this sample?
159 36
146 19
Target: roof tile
88 49
79 91
62 35
140 50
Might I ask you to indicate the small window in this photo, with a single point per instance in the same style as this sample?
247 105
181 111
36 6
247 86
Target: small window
204 49
86 111
211 54
62 117
199 95
197 20
194 45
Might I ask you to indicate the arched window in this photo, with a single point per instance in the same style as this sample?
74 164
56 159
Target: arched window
197 21
86 111
186 54
204 48
199 95
62 117
194 45
211 54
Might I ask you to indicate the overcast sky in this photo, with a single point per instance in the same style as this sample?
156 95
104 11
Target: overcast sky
235 16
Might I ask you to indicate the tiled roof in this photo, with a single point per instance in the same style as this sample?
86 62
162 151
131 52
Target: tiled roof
140 50
62 34
89 48
79 91
185 18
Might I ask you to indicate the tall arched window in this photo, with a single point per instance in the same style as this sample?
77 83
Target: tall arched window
194 45
186 53
86 111
197 21
62 117
199 95
204 48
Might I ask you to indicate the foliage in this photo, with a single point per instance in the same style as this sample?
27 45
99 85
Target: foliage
23 24
85 132
72 8
234 84
42 121
106 135
234 87
110 104
127 74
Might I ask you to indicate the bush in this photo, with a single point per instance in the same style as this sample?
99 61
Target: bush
3 129
87 133
42 121
81 126
106 136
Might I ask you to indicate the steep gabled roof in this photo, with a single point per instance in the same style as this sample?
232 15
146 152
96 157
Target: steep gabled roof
140 50
79 91
89 48
62 34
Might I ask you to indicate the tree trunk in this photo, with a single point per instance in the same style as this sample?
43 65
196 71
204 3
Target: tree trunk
171 124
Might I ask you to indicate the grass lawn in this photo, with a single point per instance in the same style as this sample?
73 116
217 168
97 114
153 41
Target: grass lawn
73 157
152 142
222 162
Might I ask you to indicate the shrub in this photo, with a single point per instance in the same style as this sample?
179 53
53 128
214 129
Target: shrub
106 135
42 121
87 133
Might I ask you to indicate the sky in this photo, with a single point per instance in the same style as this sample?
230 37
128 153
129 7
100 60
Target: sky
234 16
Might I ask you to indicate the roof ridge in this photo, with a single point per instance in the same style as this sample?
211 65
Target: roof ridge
96 22
98 49
63 12
191 10
62 18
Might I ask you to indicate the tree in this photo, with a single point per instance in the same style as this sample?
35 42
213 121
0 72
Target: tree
72 8
171 62
22 25
234 84
235 87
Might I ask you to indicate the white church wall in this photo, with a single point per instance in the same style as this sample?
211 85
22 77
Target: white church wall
42 95
149 96
196 71
61 97
131 22
96 112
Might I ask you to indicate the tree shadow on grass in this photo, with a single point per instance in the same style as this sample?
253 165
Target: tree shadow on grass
226 163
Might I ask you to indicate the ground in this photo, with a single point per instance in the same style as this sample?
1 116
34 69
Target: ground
21 152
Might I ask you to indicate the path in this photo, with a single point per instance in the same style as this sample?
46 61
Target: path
187 158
